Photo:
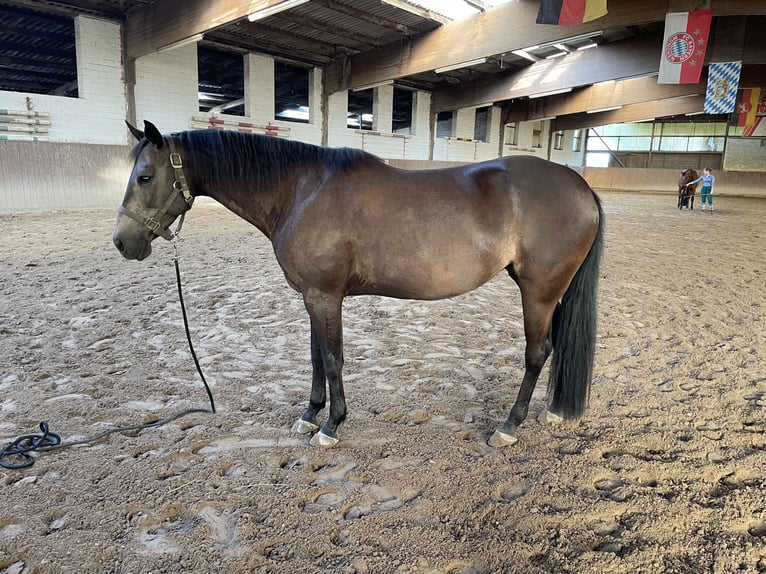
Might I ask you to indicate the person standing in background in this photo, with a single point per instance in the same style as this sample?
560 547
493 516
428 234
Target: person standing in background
706 193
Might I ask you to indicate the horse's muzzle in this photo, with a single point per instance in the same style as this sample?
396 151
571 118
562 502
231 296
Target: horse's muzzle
138 250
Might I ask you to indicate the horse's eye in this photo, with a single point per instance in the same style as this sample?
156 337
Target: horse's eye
144 178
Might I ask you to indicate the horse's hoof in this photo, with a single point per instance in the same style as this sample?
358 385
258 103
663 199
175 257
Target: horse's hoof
321 439
501 439
550 418
304 427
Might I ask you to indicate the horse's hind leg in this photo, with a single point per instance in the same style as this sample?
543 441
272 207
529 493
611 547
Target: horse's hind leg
308 423
537 321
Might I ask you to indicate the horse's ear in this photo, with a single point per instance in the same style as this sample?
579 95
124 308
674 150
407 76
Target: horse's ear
137 133
153 134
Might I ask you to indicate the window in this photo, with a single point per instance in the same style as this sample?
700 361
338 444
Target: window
404 106
512 134
445 124
537 134
291 92
577 140
558 140
37 53
221 81
481 126
360 109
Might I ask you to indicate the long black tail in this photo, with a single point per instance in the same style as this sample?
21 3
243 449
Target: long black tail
574 334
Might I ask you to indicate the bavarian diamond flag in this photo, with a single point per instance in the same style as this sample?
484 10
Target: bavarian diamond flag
722 82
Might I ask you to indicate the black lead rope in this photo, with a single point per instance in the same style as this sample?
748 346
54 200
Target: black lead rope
17 454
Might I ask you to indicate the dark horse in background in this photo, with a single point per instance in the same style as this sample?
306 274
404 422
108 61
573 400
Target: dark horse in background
342 223
686 190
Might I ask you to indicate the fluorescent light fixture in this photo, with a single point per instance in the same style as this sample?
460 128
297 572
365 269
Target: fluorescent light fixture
609 109
370 86
556 55
526 55
275 9
551 93
588 46
467 64
562 47
184 42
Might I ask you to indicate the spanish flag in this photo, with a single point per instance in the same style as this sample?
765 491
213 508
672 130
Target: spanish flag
570 12
747 106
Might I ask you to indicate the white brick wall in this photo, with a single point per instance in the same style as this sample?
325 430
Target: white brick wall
166 88
384 144
97 115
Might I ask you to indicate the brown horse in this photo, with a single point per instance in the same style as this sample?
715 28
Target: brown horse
686 190
342 223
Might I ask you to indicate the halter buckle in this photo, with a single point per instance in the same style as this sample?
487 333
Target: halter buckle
175 160
152 223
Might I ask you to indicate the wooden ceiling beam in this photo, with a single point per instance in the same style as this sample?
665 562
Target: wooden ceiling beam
402 29
499 30
162 24
644 111
615 61
619 60
602 96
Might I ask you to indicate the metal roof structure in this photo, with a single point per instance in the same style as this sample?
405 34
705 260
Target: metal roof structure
356 40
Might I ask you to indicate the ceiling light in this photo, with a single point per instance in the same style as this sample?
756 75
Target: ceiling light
275 9
551 93
184 42
370 86
467 64
526 55
609 109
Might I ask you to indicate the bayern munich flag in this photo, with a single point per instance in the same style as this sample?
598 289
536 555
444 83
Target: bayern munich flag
683 46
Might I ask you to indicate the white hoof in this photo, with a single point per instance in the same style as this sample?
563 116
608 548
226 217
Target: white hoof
501 439
304 427
321 439
550 418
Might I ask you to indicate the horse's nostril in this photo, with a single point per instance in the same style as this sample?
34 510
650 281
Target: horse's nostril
118 244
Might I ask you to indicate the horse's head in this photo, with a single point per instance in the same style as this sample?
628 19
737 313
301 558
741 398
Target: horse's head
156 195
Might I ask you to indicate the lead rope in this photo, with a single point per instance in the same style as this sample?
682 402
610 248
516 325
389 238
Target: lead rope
17 454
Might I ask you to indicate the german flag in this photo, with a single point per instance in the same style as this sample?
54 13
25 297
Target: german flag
747 106
570 12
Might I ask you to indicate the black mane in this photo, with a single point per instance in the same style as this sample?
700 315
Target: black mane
220 158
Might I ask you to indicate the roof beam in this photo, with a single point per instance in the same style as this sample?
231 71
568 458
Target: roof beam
161 24
644 111
615 61
604 95
619 60
402 29
417 10
501 29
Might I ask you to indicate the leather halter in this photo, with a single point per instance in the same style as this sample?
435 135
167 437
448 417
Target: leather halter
179 186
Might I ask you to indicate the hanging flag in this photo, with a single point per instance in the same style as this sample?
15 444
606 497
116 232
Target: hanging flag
683 46
722 82
760 113
747 106
570 12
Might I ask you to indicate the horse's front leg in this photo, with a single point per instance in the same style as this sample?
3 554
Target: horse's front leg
327 337
308 422
691 202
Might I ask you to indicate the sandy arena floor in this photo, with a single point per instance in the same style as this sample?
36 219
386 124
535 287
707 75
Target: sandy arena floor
665 474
